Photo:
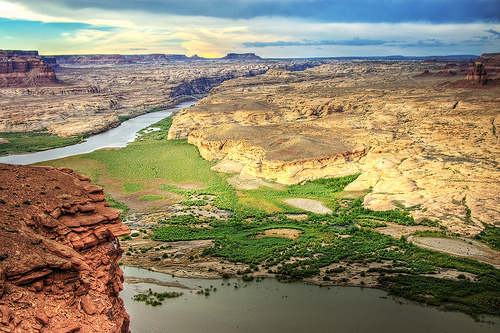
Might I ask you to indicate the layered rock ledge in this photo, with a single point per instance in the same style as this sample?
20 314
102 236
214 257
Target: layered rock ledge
59 253
24 69
419 145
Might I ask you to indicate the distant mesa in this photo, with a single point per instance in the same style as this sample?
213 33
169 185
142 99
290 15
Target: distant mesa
491 62
167 57
92 59
25 69
242 56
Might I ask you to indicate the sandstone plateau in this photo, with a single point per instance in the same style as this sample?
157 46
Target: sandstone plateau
431 149
59 253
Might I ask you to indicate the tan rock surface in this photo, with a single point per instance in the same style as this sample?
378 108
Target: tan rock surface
434 150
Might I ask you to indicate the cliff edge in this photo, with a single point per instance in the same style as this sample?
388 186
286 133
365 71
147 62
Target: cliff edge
24 69
59 253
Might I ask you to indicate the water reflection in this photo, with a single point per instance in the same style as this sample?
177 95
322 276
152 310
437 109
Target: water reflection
271 306
116 137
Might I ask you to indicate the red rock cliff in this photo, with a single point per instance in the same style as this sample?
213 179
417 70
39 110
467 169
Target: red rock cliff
59 253
24 68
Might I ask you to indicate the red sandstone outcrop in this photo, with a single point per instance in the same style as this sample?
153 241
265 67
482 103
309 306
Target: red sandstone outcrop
59 253
476 78
24 69
491 62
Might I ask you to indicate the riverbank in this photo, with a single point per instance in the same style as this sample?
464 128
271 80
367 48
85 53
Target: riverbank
114 136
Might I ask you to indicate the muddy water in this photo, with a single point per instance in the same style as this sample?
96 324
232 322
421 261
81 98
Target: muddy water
271 306
116 137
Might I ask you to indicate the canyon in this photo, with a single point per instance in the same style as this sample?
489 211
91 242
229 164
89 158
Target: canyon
422 143
96 91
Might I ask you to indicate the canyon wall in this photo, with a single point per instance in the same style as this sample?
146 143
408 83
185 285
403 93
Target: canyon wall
24 69
418 145
59 254
98 89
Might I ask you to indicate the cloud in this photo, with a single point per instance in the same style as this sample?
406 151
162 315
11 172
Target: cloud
57 26
356 41
433 43
494 33
390 11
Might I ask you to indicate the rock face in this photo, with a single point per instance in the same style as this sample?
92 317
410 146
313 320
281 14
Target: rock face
92 59
59 253
431 150
491 62
477 75
24 69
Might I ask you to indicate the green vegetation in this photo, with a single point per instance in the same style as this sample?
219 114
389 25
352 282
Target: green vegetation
344 237
154 298
151 197
25 142
323 242
118 205
490 236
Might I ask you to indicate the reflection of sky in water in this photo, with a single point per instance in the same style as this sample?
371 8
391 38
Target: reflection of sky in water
271 306
116 137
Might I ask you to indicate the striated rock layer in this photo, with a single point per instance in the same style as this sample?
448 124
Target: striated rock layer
24 69
418 146
59 253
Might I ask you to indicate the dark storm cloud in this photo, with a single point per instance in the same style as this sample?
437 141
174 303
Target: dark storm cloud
372 11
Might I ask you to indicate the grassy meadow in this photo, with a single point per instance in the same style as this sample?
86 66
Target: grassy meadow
27 142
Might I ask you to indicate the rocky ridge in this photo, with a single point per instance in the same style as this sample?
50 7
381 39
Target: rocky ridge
59 253
428 149
94 97
24 69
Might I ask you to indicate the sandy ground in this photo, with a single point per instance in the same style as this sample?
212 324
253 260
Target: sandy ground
287 233
396 230
309 205
459 247
247 182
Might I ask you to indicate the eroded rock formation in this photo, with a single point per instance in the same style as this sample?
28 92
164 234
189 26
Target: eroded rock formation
59 253
24 69
428 149
100 89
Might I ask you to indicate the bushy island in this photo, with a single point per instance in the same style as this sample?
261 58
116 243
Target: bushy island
322 245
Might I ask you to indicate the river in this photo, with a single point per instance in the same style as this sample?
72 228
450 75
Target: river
116 137
271 306
266 306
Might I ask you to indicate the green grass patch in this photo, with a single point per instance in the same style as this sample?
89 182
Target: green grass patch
25 142
151 197
490 236
323 190
130 188
118 205
173 189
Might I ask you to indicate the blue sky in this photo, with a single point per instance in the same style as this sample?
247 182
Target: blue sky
270 28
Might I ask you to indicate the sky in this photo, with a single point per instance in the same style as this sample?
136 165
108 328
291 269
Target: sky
269 28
